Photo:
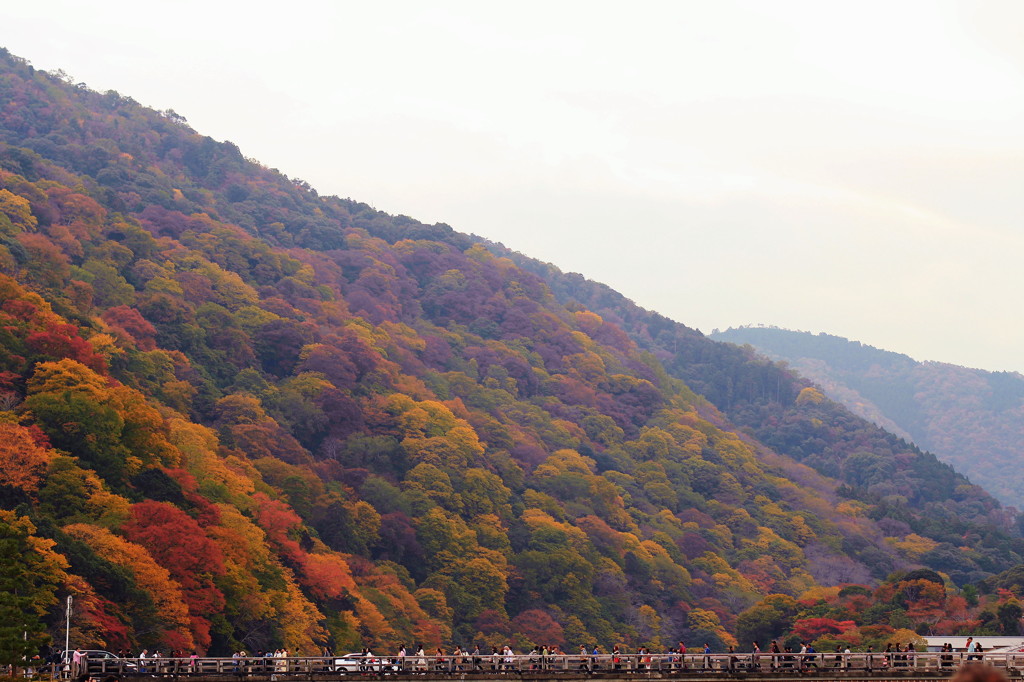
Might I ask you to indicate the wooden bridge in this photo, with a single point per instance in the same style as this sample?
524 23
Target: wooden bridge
873 667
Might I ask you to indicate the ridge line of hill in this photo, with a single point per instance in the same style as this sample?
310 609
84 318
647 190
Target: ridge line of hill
971 418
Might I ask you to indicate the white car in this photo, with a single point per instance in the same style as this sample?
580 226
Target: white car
357 663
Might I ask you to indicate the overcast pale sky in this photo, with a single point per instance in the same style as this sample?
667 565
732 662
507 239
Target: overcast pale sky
849 167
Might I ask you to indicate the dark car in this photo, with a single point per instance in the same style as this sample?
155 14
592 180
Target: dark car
97 659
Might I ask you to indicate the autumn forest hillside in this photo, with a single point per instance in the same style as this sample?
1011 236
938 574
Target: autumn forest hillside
237 414
970 418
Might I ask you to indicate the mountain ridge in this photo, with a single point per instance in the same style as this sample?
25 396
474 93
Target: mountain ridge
969 417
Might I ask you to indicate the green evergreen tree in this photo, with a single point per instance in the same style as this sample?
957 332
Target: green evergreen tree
28 583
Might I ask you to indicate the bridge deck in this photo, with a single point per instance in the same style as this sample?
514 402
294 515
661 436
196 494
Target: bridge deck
861 667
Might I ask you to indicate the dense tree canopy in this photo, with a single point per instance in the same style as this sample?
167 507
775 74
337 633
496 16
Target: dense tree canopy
237 414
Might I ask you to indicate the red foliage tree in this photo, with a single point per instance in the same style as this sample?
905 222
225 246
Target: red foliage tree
62 341
279 521
540 627
130 321
181 546
810 629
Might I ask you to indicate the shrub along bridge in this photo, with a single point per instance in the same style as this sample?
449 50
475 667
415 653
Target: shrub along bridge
829 666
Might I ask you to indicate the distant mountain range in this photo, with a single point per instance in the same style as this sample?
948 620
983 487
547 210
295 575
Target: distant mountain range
970 418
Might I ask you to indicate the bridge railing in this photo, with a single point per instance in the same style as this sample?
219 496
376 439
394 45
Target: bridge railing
309 666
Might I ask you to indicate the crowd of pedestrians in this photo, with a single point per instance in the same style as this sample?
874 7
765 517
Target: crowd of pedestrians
275 661
774 657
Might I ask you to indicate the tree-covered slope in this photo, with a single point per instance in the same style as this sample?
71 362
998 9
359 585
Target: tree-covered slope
234 413
970 418
903 487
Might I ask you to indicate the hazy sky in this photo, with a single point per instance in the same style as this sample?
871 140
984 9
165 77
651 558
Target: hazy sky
849 167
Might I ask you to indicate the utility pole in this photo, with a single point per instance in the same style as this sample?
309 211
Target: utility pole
67 630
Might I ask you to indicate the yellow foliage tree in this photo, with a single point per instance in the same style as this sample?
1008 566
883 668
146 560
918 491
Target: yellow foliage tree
810 396
703 619
299 620
197 446
18 210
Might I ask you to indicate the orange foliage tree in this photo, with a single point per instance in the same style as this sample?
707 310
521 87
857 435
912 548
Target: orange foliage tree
23 463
